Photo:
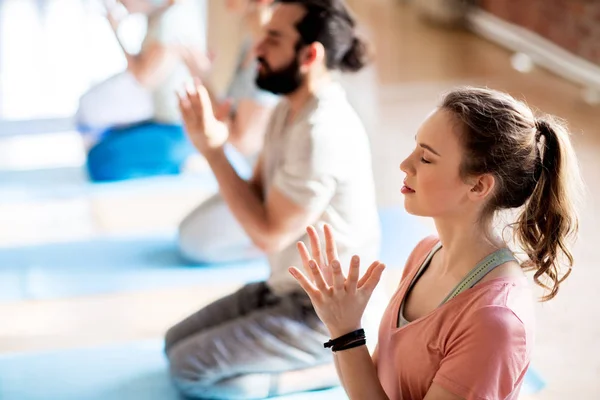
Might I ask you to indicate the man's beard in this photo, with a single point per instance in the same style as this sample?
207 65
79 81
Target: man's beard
283 81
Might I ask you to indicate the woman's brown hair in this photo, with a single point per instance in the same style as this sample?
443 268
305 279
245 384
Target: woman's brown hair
535 169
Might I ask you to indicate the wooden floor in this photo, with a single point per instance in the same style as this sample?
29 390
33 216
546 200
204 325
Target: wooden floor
416 62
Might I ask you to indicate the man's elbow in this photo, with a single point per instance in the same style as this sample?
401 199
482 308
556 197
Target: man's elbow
271 242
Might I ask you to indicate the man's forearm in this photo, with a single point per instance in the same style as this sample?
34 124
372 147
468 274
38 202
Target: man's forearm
243 198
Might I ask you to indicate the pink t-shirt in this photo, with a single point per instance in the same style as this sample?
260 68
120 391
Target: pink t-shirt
477 345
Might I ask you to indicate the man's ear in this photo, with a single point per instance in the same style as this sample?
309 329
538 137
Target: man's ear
311 54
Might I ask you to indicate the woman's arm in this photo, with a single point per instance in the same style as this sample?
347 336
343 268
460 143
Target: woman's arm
340 303
358 375
151 65
339 370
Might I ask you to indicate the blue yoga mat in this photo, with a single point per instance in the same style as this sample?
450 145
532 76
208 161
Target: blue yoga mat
121 264
109 265
128 371
135 370
70 182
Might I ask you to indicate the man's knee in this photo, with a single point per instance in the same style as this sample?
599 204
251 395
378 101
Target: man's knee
171 338
211 234
191 243
190 372
196 234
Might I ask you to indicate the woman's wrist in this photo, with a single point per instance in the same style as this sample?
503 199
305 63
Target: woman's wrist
337 332
349 340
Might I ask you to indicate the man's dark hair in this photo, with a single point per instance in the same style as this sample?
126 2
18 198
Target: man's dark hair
329 22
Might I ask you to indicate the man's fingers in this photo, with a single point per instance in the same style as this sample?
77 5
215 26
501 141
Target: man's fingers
193 99
185 108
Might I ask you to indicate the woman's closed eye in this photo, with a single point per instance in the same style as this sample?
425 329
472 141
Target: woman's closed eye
424 161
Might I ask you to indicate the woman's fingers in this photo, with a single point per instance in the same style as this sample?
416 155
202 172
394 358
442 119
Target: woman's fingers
367 274
306 285
339 280
318 275
353 274
315 246
372 278
304 254
330 247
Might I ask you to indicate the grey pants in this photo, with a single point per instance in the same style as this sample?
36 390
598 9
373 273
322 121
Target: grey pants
237 347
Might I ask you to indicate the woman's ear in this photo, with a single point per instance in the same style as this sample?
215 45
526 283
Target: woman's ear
482 187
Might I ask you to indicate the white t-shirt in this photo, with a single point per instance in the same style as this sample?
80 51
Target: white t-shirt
179 25
322 161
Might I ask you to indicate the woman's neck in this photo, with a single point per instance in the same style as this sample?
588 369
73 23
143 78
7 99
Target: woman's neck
465 242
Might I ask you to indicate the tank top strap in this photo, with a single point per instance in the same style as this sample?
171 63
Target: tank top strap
482 268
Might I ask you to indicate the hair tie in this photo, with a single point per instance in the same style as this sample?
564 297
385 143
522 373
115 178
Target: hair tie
540 129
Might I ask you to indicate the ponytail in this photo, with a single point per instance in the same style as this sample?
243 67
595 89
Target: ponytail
356 57
330 23
549 217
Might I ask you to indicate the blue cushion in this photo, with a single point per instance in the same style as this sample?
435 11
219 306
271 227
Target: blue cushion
143 150
146 149
70 182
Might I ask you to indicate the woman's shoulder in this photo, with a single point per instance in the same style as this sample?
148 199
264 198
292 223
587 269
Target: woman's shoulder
503 307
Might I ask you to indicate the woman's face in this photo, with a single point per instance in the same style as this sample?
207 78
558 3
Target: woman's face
433 186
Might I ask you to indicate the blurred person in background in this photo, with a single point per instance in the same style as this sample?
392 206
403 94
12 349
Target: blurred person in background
131 122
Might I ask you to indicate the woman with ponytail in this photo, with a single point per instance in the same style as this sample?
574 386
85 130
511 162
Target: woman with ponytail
461 324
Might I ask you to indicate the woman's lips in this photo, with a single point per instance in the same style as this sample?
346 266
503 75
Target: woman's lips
406 189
